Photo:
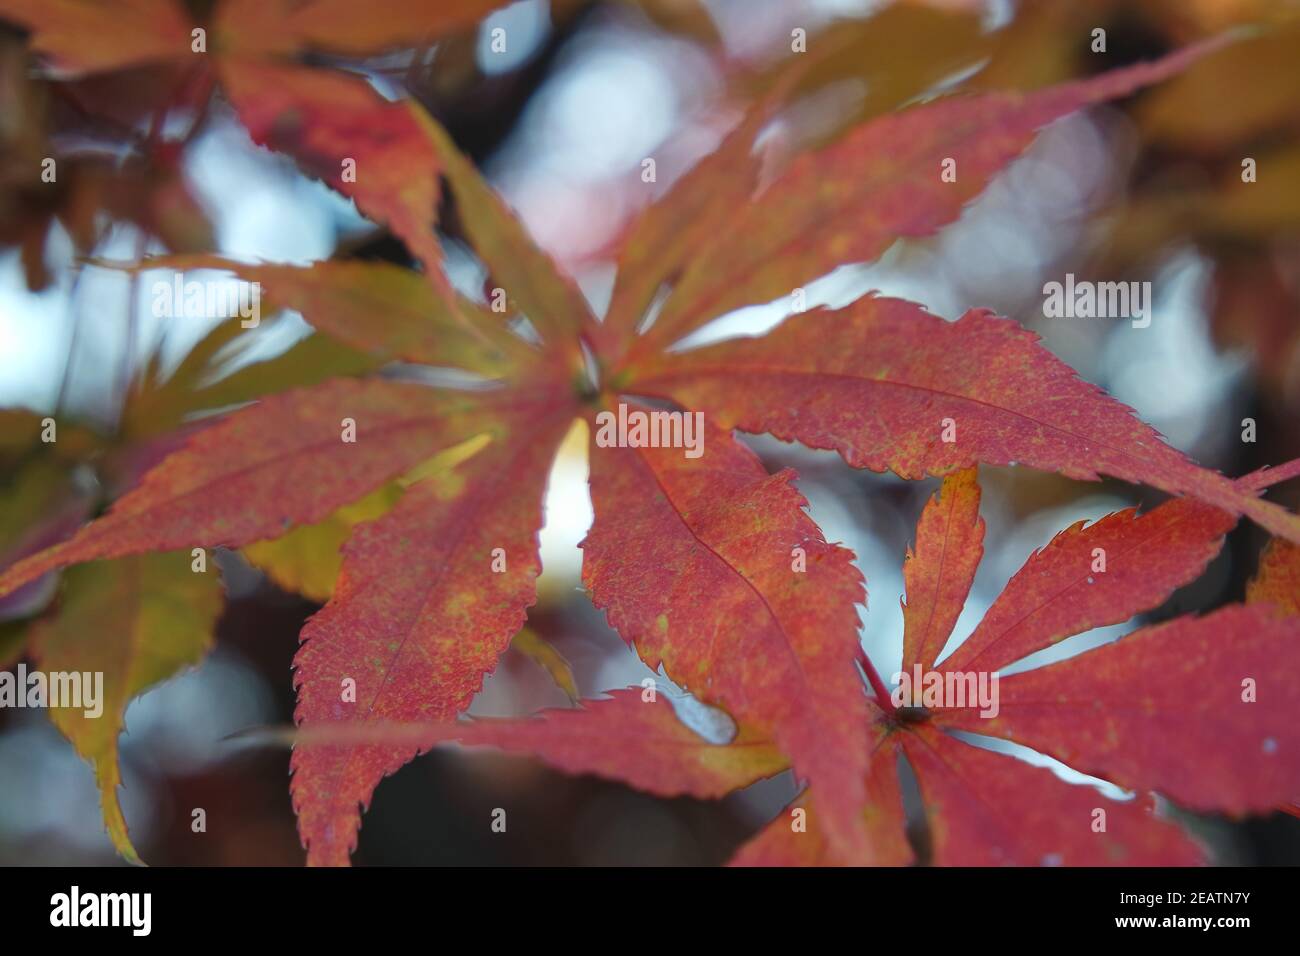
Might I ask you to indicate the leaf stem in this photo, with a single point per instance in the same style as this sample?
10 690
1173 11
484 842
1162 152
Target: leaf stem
877 685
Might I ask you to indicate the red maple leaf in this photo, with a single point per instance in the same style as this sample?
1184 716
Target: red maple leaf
1199 709
707 564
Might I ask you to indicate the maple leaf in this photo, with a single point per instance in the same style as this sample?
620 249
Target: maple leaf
224 463
712 569
1159 711
883 382
159 610
421 611
393 646
286 454
938 576
406 320
1157 553
551 300
335 125
341 132
851 200
159 404
151 615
